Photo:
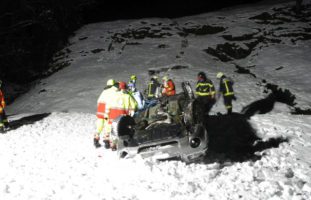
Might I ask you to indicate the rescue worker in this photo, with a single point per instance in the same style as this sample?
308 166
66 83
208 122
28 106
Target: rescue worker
153 88
205 91
168 87
121 103
226 89
3 119
102 117
136 94
132 82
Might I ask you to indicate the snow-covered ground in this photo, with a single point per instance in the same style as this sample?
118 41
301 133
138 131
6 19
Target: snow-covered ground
54 158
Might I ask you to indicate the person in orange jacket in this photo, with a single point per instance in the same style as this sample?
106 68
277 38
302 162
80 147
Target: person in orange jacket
102 113
168 87
3 119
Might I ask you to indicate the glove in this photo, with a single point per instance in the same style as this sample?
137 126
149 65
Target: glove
96 143
234 98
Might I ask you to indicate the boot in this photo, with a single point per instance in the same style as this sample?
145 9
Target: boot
106 144
96 143
6 124
229 111
113 146
2 130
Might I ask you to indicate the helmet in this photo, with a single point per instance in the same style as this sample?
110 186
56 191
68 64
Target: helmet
133 77
219 75
122 85
165 78
202 75
111 82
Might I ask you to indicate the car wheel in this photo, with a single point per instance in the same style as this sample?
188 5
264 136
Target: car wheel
124 126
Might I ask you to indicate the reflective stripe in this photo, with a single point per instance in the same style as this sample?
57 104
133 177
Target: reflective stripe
101 107
228 106
205 93
227 93
205 89
149 90
100 115
204 84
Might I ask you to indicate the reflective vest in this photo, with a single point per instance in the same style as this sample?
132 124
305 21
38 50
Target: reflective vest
152 89
121 103
205 88
101 102
169 88
226 87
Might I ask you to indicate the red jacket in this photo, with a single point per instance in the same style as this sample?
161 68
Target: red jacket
169 88
2 103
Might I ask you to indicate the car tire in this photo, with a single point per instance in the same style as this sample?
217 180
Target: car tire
124 126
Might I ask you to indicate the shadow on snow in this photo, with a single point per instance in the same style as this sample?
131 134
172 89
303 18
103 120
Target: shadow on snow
15 124
232 137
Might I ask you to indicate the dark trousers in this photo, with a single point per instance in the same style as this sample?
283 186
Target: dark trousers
204 106
228 103
3 120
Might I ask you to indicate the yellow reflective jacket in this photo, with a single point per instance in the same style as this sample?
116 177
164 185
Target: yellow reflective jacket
121 103
102 101
205 88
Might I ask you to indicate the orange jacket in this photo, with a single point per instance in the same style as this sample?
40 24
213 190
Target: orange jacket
104 97
2 103
169 88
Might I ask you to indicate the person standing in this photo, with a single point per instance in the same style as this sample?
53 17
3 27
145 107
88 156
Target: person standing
153 90
205 92
168 87
226 90
3 118
102 117
132 83
121 103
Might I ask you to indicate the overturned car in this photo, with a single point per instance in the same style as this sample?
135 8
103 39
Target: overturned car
168 130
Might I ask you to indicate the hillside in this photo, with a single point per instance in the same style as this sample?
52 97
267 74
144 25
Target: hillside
264 48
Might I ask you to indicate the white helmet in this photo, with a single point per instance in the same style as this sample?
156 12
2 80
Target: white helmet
219 75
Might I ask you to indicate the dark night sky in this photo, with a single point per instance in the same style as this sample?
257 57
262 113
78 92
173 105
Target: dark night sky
111 10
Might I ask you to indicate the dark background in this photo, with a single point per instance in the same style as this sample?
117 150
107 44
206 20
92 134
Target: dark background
31 31
111 10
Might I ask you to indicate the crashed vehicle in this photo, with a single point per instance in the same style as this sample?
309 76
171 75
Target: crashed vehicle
168 130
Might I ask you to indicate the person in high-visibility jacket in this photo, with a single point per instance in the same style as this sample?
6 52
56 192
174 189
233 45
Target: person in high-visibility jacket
205 92
226 89
153 91
121 103
168 87
3 119
136 94
102 113
132 83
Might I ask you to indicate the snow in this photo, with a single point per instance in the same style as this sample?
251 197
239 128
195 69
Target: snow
54 158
